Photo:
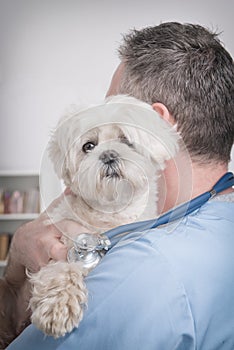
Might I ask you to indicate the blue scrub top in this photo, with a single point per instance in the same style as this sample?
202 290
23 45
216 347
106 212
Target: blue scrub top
172 288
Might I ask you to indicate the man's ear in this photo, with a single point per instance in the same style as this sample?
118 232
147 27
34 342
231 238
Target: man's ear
162 110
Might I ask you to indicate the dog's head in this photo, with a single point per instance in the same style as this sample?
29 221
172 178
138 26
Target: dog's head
110 153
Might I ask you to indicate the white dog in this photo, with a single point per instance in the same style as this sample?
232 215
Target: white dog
110 156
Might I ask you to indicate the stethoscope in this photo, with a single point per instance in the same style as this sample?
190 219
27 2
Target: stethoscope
90 249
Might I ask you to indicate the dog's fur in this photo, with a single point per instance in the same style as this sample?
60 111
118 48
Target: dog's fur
110 156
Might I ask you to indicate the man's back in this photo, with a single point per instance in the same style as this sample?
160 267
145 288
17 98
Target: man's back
169 288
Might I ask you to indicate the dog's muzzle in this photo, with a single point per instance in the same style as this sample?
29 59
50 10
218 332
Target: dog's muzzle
110 160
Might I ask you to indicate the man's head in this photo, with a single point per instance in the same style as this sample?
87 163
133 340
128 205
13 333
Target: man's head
186 69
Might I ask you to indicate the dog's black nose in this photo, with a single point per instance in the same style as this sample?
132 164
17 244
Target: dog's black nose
108 157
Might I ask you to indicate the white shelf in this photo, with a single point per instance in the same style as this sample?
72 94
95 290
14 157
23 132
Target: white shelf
18 173
23 216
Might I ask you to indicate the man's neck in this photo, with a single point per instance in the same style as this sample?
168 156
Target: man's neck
183 180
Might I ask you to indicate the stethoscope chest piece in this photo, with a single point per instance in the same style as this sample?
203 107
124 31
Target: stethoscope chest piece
88 249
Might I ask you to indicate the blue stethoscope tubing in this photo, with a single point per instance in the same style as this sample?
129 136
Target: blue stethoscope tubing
115 234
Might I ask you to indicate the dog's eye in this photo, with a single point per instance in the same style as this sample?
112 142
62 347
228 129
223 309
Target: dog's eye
88 147
124 139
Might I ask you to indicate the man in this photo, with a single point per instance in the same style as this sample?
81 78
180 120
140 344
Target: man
173 287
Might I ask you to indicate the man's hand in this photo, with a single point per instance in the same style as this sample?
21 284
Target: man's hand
35 243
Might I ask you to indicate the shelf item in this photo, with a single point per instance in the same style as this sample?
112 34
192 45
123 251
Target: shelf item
4 245
17 182
19 193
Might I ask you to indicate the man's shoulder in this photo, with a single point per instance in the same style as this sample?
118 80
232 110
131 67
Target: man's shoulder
210 217
205 234
169 274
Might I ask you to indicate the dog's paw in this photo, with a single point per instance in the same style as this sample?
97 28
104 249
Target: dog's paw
58 298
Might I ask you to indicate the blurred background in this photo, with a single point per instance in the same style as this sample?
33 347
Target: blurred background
58 52
54 53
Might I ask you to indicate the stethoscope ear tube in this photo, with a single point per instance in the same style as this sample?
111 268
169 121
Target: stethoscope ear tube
225 182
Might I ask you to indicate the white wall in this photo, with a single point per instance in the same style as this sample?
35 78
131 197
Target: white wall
54 53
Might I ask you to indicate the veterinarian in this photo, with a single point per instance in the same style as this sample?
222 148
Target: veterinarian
173 286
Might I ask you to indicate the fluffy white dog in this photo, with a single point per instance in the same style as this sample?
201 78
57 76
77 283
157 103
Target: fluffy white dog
110 156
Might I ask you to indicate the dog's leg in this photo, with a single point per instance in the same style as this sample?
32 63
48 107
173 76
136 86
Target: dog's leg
58 297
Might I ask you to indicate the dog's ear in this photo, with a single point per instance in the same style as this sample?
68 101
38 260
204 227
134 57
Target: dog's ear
57 156
158 141
61 147
161 146
58 151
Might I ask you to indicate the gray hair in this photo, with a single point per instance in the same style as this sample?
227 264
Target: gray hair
185 67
